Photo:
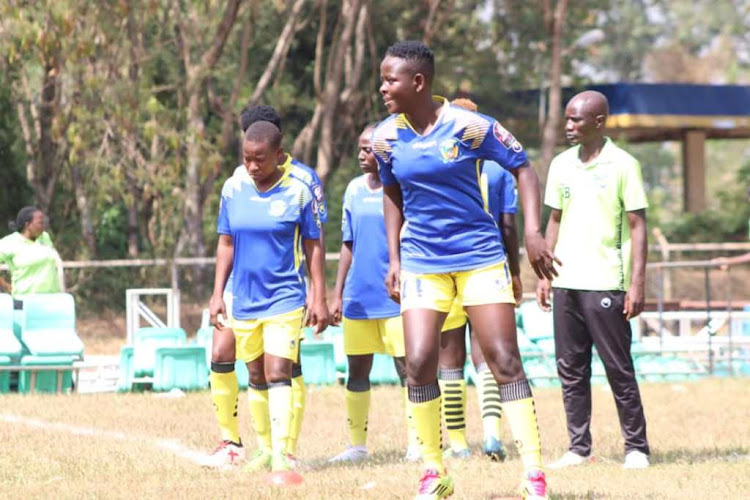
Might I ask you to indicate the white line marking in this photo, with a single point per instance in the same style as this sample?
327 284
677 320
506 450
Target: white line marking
171 445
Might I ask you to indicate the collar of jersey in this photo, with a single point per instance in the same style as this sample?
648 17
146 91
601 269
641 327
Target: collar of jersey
286 169
602 158
444 102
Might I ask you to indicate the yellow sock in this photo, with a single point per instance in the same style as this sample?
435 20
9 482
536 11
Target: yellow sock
410 428
280 411
489 403
518 406
224 393
258 398
425 408
357 410
299 397
453 390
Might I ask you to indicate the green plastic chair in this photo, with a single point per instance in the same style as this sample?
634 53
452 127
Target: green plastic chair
383 372
46 381
5 376
536 323
334 334
9 344
318 362
49 325
145 343
182 367
126 371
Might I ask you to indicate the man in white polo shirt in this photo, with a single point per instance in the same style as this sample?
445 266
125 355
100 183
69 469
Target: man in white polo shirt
597 228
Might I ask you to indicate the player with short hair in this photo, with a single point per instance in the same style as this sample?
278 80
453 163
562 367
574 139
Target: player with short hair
263 217
371 321
224 386
499 194
443 245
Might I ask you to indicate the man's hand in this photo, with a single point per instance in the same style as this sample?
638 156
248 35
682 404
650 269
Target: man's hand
543 295
517 289
633 302
540 256
317 317
216 309
335 311
393 281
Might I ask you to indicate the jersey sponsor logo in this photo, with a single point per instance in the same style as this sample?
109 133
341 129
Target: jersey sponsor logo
505 138
606 302
449 150
319 205
277 208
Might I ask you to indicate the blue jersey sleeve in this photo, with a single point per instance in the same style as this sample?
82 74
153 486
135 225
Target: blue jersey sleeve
222 222
310 221
382 149
319 198
500 146
346 216
508 193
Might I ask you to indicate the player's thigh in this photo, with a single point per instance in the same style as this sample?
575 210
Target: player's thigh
361 336
392 334
422 343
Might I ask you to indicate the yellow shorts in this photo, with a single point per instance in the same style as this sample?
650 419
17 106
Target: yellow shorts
278 335
456 317
487 285
370 336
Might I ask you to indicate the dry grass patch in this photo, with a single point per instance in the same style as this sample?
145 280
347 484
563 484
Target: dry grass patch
699 435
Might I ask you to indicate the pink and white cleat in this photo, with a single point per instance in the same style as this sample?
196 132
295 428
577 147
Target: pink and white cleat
534 486
227 454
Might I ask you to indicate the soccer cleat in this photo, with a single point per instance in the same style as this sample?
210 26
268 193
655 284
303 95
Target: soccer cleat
352 455
494 449
569 459
413 454
635 459
462 453
534 486
227 454
261 461
434 486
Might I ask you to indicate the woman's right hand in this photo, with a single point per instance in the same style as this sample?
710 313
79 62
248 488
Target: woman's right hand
216 309
393 281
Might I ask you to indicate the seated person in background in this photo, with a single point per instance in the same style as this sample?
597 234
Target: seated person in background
30 255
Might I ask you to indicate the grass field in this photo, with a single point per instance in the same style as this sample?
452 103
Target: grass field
144 446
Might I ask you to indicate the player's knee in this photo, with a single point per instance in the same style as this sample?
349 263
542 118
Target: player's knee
506 364
420 370
219 354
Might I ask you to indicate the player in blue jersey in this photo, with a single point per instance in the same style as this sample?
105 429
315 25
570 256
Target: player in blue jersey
371 321
224 386
443 245
499 194
262 219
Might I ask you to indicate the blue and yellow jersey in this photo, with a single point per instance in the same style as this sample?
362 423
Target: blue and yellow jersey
499 191
446 224
363 224
267 229
308 176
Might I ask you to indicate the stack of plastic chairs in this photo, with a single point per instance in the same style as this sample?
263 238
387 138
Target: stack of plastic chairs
318 361
161 357
49 338
10 347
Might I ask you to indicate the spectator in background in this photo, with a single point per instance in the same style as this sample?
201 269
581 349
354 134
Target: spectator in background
30 255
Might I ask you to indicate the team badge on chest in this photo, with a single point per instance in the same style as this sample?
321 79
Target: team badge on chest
449 150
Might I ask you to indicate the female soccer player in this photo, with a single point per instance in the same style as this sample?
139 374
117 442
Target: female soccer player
261 220
372 322
443 245
499 194
224 386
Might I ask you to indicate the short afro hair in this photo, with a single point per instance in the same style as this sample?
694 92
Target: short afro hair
418 54
263 131
259 113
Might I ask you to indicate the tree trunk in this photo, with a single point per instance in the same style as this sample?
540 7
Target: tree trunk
554 113
84 210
